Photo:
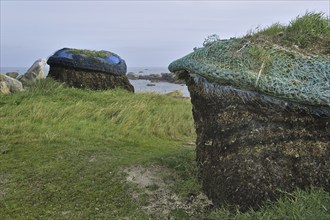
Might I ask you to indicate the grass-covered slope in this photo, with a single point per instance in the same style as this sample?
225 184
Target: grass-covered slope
63 153
61 149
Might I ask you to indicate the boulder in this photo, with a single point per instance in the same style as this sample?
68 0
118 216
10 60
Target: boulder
35 72
152 77
12 74
4 88
99 70
132 76
262 119
168 77
12 84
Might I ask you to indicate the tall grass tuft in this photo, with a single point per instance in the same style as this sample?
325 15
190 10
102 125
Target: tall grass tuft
46 86
310 32
305 30
302 205
273 30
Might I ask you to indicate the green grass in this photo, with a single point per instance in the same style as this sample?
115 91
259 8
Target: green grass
273 30
305 30
90 53
300 205
63 151
310 32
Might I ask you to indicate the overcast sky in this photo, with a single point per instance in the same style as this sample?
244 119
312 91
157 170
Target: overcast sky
143 33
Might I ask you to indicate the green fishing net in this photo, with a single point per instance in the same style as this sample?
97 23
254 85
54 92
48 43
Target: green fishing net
264 67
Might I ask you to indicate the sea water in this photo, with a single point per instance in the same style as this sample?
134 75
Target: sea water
158 87
139 85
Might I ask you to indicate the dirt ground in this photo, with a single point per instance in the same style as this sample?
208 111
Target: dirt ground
155 194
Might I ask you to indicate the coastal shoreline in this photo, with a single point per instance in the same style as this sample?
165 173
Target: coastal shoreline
140 85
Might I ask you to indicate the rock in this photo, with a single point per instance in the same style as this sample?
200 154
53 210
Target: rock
4 88
171 78
252 147
98 70
151 84
35 72
12 84
132 76
12 74
163 77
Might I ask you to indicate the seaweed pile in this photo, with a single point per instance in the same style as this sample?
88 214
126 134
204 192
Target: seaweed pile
262 118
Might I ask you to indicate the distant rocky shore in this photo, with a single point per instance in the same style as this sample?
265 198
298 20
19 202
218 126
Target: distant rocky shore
163 77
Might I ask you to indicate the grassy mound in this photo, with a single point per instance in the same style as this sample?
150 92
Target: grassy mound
289 63
63 152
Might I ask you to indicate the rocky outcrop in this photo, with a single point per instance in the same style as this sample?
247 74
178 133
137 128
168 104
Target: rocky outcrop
163 77
99 70
35 72
9 85
252 147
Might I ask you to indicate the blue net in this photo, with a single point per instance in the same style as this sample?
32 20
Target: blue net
104 61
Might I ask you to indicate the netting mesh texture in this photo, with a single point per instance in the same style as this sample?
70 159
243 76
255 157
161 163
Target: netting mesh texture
266 68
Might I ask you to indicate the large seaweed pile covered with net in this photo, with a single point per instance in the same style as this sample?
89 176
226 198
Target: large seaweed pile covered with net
264 66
